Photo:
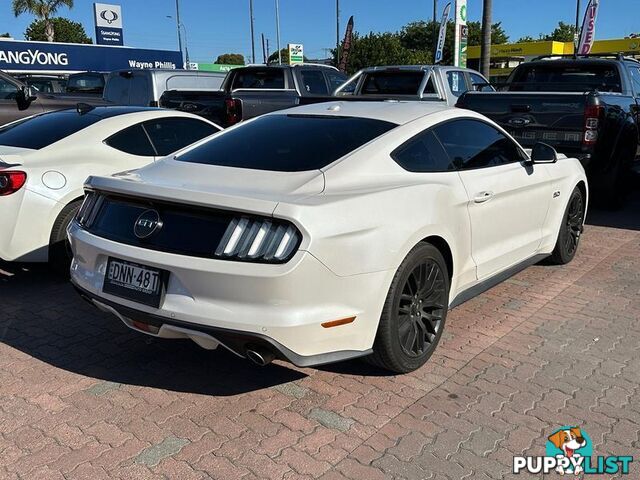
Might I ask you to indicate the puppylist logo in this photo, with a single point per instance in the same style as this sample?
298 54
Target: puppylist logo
569 451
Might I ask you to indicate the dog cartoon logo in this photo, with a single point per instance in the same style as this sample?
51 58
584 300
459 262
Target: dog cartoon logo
571 443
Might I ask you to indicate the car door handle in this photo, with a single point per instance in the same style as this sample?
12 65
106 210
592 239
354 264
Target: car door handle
482 197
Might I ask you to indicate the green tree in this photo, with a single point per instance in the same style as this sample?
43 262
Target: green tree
273 58
527 38
42 10
65 30
230 59
498 35
564 32
5 35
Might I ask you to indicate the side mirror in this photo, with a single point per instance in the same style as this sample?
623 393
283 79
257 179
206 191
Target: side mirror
24 96
543 153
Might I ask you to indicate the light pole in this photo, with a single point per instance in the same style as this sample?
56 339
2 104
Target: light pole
178 25
186 41
337 32
253 42
278 32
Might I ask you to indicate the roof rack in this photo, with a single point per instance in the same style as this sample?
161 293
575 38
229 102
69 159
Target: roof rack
616 56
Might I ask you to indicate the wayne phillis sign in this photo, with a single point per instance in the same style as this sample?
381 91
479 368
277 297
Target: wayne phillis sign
108 20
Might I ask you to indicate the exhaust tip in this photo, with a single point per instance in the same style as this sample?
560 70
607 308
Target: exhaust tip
259 355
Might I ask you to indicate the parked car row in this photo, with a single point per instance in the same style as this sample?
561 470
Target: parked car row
586 107
260 238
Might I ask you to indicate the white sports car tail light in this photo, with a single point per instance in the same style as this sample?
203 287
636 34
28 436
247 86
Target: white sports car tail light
89 208
258 240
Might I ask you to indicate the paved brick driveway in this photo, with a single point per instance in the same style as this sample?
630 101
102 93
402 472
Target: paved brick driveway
83 397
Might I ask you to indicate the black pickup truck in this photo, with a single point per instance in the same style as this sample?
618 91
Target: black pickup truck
586 107
255 90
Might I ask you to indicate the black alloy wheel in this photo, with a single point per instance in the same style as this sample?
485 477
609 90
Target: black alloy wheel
414 312
421 308
570 230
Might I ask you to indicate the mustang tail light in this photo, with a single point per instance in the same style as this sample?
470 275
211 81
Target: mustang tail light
592 116
258 240
11 181
89 209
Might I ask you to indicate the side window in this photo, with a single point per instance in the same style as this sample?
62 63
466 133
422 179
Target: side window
423 153
132 140
478 83
475 144
457 82
139 91
117 89
7 90
313 82
335 79
430 88
635 78
172 134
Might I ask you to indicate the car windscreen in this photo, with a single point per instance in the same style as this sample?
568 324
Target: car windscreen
43 130
288 143
392 83
566 78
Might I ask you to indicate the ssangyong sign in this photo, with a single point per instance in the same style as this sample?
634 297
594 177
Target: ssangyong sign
108 20
19 56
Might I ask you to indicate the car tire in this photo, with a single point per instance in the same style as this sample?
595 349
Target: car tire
414 312
570 229
59 250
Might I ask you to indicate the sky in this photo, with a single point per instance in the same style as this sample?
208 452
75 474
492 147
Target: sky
222 26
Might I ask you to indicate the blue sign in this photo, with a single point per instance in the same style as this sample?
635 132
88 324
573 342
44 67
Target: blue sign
108 20
16 55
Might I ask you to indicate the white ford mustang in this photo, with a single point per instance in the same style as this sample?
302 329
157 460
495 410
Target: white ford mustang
325 232
45 160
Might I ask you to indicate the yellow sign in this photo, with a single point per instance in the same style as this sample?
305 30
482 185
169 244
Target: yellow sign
532 49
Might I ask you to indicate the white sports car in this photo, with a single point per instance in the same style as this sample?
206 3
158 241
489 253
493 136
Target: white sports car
45 160
325 232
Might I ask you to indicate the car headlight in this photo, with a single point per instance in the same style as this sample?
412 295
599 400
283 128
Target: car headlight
259 240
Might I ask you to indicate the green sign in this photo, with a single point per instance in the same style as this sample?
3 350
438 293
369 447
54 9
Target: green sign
212 67
296 53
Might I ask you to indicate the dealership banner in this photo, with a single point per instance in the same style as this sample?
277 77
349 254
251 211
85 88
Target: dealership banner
19 56
460 52
588 34
442 36
108 21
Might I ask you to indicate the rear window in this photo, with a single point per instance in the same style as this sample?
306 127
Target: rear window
566 78
392 83
41 131
288 143
267 78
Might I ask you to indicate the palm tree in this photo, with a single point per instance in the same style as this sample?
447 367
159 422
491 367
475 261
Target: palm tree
485 44
42 10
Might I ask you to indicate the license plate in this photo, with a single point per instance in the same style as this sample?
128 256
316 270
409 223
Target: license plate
135 282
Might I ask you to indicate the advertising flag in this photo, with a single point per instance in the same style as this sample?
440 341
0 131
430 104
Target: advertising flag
460 54
443 33
346 46
588 34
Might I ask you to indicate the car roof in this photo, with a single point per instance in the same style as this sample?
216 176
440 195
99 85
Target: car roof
395 111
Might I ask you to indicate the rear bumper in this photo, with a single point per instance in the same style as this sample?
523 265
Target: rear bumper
237 304
234 340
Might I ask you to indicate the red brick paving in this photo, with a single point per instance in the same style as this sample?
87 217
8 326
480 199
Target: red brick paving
83 397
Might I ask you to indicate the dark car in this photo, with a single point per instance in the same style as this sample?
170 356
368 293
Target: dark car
19 100
251 91
586 107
